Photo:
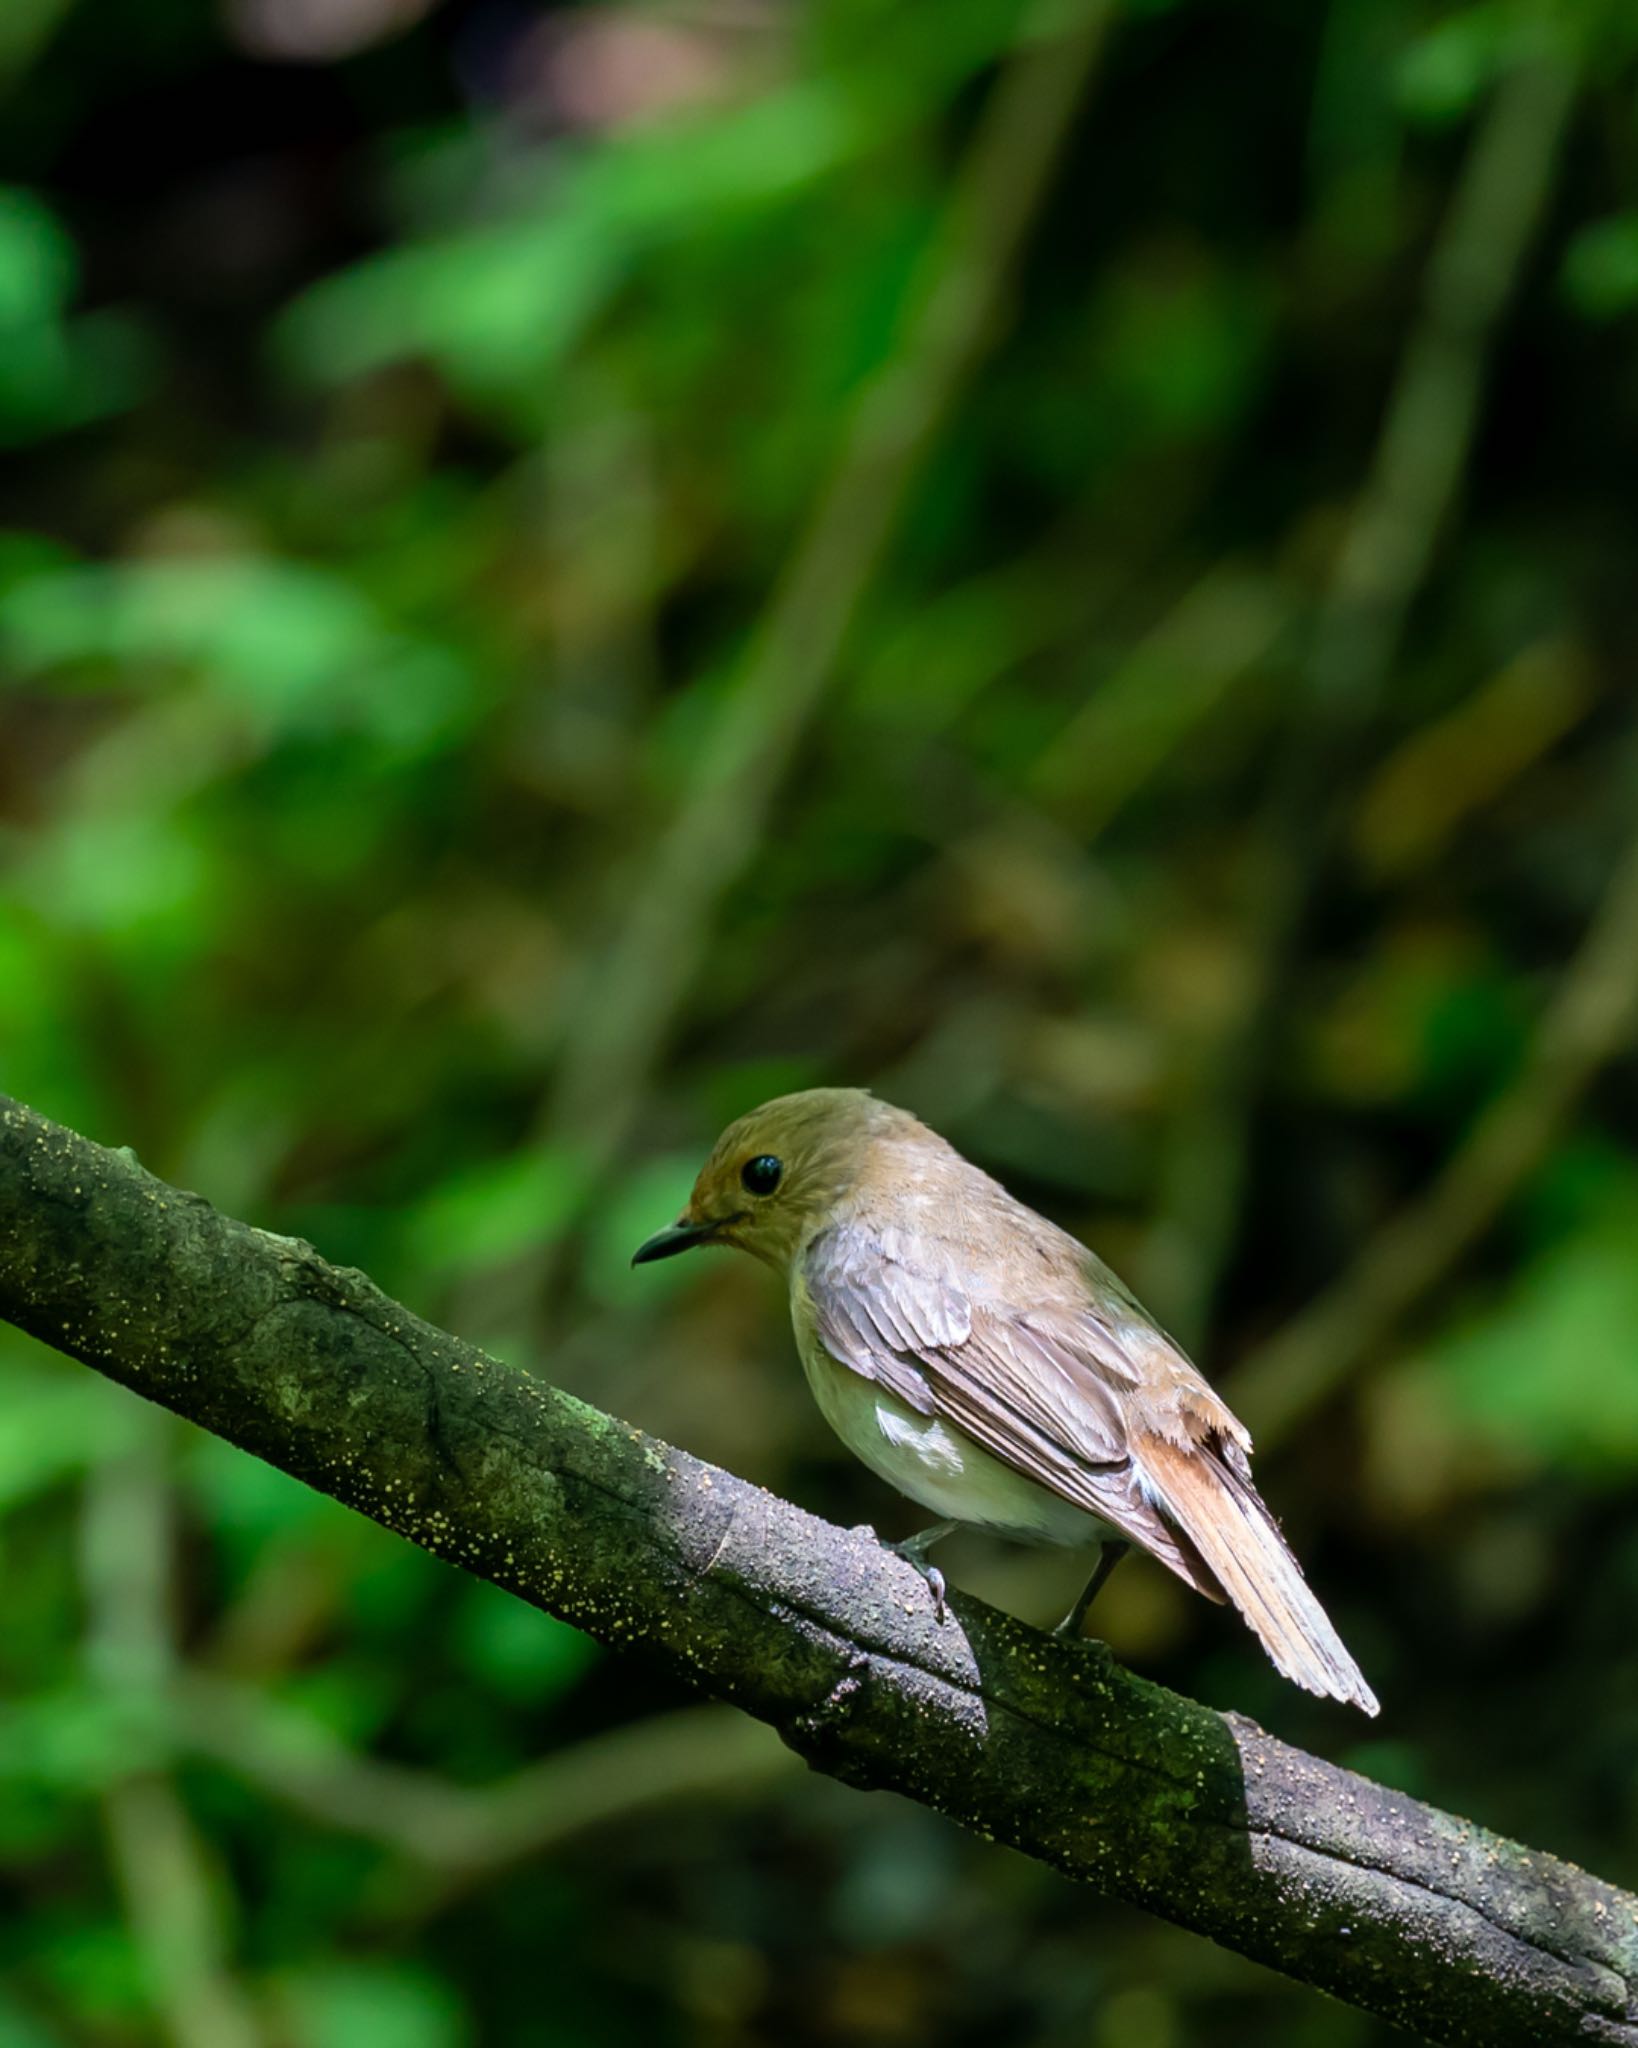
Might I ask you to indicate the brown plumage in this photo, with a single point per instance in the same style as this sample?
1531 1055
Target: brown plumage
991 1367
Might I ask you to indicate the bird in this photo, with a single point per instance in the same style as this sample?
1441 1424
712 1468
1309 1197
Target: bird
990 1367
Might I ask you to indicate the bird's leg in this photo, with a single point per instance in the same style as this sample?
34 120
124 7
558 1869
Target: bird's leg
914 1549
1110 1554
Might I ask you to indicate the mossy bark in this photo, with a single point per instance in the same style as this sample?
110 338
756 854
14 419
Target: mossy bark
1050 1746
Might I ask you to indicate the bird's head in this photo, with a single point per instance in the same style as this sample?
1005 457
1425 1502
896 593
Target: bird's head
777 1174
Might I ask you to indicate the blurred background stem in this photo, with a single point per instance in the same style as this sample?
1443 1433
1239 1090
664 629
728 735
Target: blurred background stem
457 1838
1386 551
175 1897
641 973
1591 1020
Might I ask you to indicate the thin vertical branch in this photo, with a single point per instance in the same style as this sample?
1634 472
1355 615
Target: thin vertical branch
173 1898
1386 556
1592 1019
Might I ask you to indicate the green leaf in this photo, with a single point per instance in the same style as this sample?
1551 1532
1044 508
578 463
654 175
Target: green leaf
371 2005
524 1655
494 1210
640 1202
1443 72
56 372
56 1425
1551 1371
20 2029
1600 275
296 649
38 264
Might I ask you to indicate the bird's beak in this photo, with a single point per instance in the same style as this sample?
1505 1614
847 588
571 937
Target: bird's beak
678 1237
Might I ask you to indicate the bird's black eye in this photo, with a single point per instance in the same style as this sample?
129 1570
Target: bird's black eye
760 1176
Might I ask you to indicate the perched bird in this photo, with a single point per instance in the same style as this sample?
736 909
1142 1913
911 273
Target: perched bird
988 1365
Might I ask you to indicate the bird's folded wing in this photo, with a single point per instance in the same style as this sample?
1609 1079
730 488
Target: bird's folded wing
1039 1388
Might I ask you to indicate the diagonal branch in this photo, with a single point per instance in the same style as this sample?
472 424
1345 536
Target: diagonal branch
1047 1745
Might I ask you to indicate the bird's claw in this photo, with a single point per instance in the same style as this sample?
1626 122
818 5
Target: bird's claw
934 1578
914 1551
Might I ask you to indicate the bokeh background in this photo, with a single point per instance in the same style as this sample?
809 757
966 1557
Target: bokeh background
563 570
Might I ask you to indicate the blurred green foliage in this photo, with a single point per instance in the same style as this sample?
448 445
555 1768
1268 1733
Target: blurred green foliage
412 410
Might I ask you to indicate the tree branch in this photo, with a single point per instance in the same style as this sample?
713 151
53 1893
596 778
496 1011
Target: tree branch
1047 1745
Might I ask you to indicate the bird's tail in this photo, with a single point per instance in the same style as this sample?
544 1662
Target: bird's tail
1221 1514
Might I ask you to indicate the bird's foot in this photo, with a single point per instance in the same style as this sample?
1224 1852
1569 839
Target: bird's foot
1109 1556
914 1549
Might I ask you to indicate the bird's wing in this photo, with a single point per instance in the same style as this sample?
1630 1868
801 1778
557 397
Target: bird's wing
1039 1388
1042 1388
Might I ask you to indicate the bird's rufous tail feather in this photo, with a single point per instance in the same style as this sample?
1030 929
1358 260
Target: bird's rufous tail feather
1222 1516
